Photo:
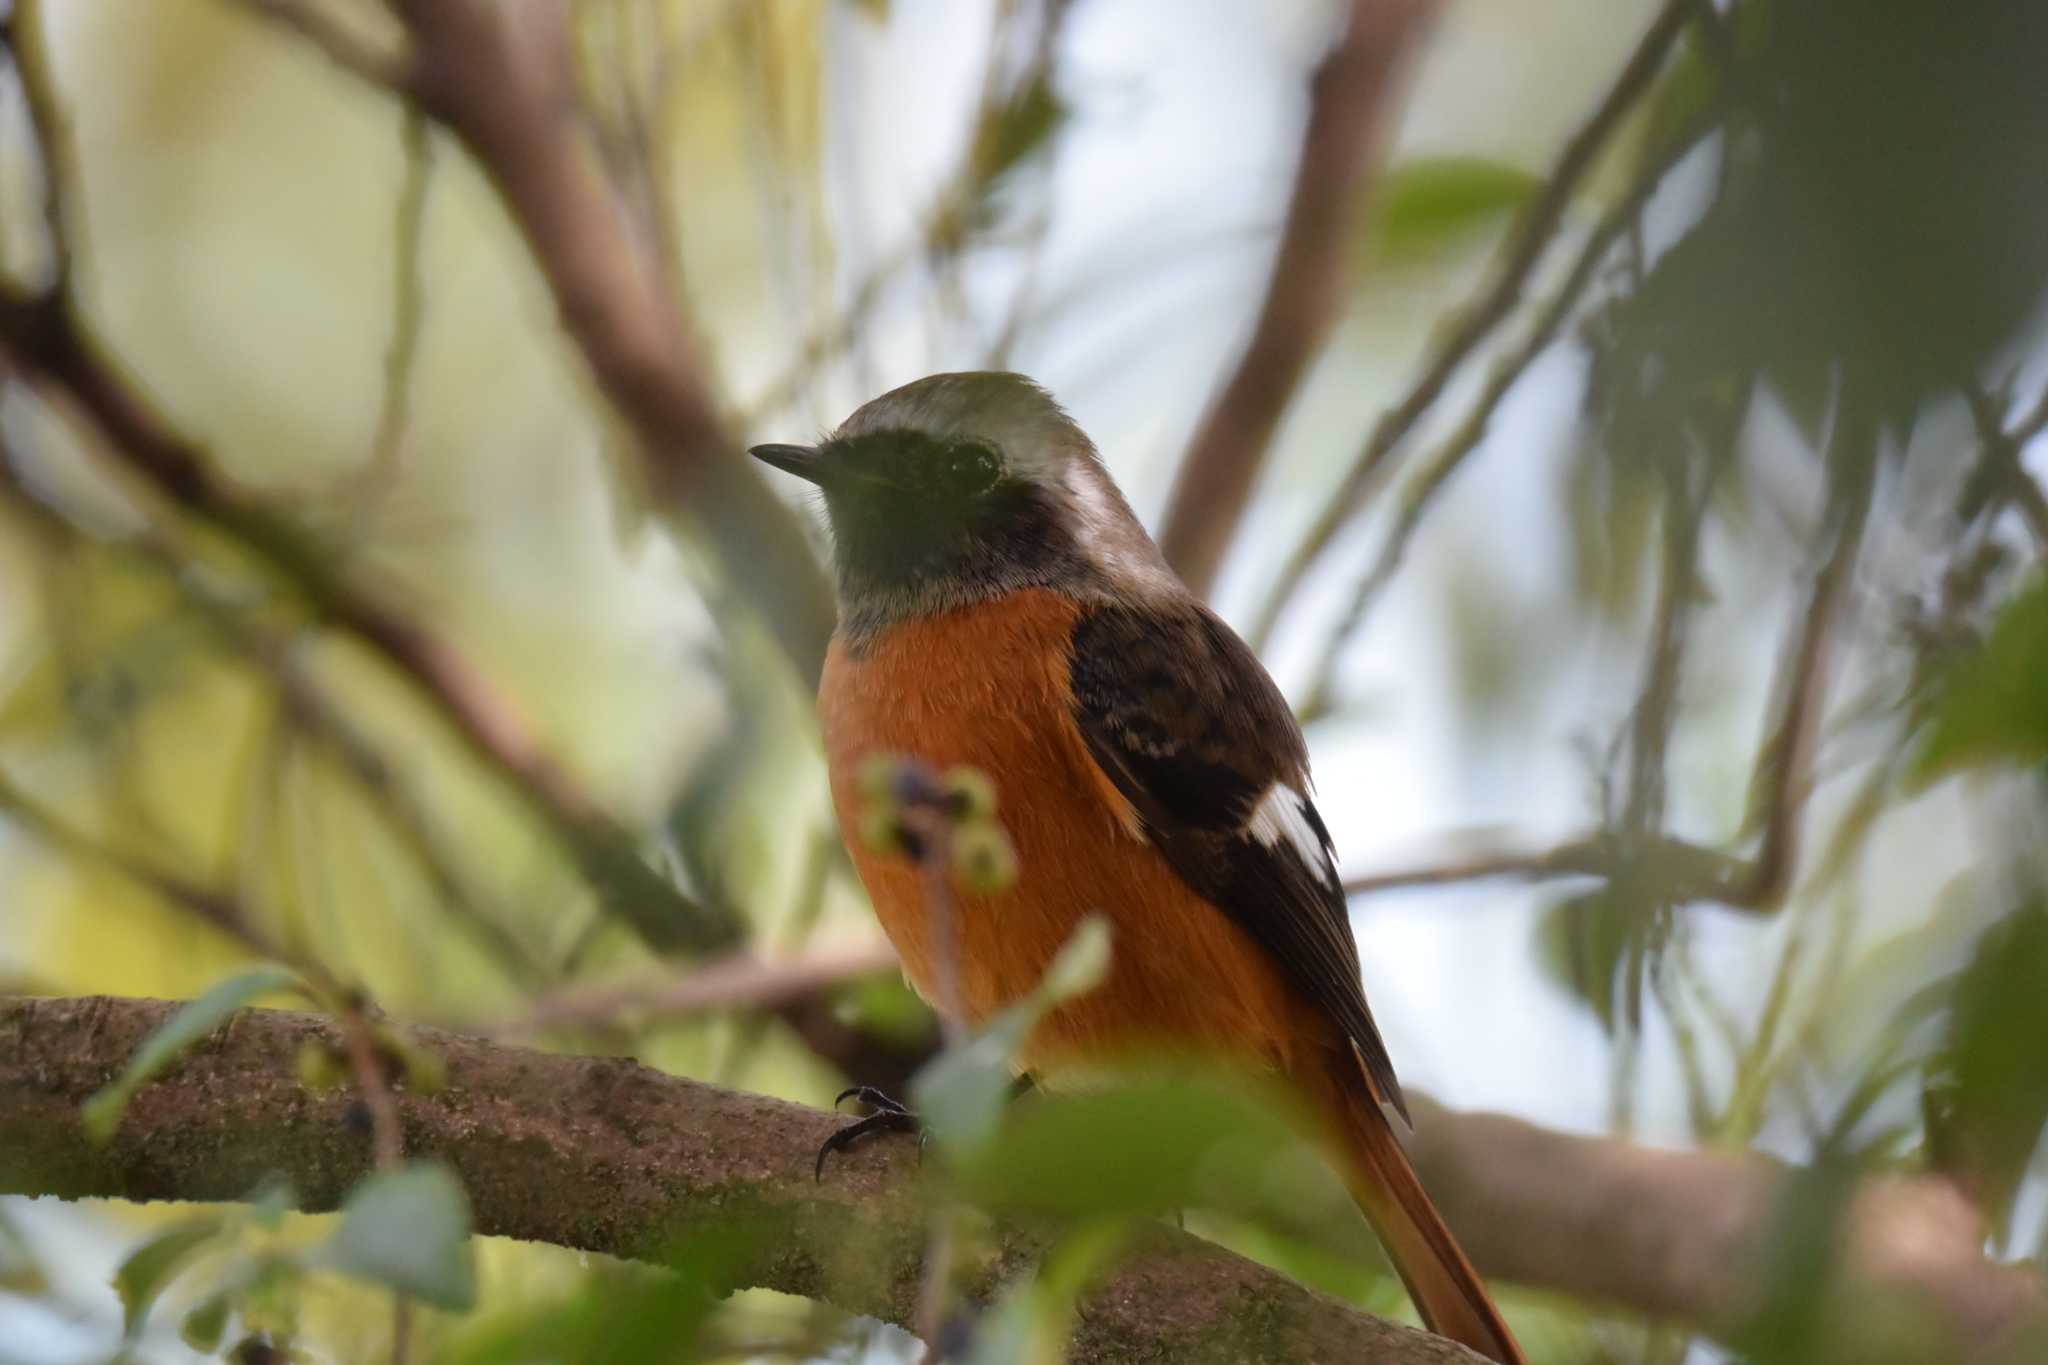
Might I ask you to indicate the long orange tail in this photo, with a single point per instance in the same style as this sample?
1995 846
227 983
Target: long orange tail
1446 1290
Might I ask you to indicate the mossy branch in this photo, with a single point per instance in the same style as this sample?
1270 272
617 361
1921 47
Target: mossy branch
606 1155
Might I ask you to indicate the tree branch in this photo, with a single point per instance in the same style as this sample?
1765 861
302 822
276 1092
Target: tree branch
608 1156
1691 1235
1350 97
501 78
41 340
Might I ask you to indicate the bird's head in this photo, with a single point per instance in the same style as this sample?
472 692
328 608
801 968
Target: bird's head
960 487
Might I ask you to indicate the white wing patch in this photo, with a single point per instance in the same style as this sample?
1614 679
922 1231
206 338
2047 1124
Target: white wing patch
1282 813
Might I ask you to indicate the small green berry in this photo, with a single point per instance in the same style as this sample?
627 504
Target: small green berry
878 774
970 793
984 859
880 827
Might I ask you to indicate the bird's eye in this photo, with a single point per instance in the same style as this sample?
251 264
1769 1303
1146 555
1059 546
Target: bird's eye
971 467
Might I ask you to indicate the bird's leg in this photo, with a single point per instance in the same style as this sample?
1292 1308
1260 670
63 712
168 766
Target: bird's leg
889 1115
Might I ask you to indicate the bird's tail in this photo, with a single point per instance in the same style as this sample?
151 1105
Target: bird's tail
1446 1290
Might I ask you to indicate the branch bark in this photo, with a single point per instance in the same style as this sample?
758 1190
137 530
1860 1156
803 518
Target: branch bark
608 1156
1349 99
1694 1235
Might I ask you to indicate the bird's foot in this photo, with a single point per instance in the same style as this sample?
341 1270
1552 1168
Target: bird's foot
888 1116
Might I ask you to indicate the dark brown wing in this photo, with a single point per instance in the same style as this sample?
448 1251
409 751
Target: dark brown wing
1186 724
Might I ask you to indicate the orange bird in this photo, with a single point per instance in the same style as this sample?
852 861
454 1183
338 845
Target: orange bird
1000 606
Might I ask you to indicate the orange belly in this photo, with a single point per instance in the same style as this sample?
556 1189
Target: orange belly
987 686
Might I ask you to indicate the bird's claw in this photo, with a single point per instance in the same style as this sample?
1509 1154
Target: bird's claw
889 1116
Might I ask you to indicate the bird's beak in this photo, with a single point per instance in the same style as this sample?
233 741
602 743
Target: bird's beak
803 461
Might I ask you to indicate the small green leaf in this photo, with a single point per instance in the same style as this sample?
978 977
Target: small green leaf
1081 965
271 1201
101 1114
1995 706
152 1266
960 1094
1423 204
408 1229
203 1327
1992 1074
1035 1320
1167 1139
621 1316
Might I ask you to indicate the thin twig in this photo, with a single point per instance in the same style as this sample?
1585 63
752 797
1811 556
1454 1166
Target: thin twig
387 1136
1351 97
387 67
743 981
408 316
1422 489
1519 255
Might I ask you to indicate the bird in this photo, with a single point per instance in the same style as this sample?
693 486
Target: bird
1002 608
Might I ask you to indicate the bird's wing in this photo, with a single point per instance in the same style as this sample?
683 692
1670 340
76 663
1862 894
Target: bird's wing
1187 726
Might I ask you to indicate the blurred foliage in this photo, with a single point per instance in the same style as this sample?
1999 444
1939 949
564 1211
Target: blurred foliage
1429 205
1826 248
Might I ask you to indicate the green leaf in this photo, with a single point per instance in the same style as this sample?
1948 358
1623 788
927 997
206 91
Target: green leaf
1081 965
1016 132
101 1114
203 1327
961 1093
1035 1320
625 1316
1993 1075
1995 705
1590 945
408 1229
271 1201
1426 203
1171 1138
152 1266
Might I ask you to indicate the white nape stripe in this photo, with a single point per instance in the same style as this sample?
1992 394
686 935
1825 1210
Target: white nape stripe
1282 813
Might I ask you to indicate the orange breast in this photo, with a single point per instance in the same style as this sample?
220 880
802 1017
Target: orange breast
988 686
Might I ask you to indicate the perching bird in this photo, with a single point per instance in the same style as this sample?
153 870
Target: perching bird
1001 607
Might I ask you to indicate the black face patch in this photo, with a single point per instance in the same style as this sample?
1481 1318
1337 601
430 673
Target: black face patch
910 511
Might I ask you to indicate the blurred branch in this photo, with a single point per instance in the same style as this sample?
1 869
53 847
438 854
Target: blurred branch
352 52
216 908
744 981
1782 778
608 1156
1662 869
1687 871
502 79
2000 476
1351 97
408 319
1514 266
306 700
1693 1235
42 341
1420 493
